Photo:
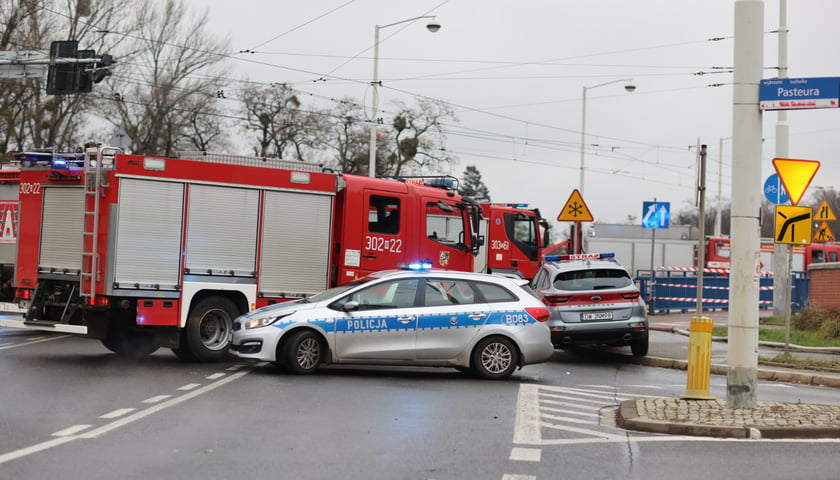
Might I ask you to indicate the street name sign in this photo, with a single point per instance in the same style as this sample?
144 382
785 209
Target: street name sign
799 93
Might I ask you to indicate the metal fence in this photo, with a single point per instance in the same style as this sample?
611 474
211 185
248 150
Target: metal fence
669 290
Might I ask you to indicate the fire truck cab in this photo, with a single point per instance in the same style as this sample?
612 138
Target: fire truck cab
145 252
517 237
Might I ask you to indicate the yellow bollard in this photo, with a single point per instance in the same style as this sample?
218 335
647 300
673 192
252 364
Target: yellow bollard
699 359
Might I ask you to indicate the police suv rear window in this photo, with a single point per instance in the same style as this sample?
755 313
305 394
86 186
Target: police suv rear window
594 279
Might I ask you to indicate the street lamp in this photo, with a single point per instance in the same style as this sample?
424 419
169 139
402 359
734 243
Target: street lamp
433 27
629 87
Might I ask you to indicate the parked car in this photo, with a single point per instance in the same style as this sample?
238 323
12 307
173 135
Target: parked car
592 300
478 323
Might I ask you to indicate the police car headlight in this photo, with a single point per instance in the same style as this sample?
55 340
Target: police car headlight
263 321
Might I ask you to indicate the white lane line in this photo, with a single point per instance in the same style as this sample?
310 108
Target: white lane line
579 421
526 428
236 367
39 340
156 399
570 409
69 431
26 451
521 454
513 476
189 386
216 376
118 413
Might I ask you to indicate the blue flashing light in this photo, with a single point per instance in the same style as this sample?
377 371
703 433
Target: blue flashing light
552 258
417 266
59 163
517 205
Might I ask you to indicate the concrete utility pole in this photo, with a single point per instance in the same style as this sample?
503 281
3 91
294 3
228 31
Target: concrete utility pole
781 266
742 374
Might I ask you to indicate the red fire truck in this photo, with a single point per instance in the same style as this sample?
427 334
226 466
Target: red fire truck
9 186
147 252
718 252
516 239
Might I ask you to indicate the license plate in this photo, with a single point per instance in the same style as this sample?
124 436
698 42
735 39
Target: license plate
596 316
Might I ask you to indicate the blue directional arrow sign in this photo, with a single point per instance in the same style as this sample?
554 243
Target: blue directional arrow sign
656 214
774 190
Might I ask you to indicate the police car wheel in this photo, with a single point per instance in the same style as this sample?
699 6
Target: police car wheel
639 348
303 352
494 357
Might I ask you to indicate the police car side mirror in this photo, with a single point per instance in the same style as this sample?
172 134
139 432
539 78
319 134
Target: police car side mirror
350 306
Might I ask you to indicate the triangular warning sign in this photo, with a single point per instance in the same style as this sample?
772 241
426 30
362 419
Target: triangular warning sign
575 210
824 213
823 234
796 175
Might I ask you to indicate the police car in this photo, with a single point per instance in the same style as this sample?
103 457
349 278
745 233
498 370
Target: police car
477 323
592 300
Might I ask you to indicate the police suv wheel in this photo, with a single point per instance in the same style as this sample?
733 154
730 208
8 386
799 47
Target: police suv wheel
303 352
494 358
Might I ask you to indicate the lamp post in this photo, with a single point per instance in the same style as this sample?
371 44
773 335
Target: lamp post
433 27
629 87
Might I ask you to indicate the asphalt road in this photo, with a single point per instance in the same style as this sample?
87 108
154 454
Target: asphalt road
70 409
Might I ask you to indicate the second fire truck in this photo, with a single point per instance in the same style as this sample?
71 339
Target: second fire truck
145 252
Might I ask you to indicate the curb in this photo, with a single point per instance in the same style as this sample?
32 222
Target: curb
628 417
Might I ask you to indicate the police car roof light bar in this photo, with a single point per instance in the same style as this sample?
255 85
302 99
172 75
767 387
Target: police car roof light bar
421 266
580 256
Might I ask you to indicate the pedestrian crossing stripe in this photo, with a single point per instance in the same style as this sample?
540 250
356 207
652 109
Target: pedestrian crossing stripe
575 209
823 234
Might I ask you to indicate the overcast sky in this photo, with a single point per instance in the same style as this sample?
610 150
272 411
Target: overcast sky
515 71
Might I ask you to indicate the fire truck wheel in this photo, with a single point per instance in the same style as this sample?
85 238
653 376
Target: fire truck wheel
129 344
639 348
209 327
494 358
302 353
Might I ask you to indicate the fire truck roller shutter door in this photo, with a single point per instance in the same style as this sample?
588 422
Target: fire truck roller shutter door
296 242
149 227
62 233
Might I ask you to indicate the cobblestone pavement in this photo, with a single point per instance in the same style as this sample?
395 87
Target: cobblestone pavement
715 418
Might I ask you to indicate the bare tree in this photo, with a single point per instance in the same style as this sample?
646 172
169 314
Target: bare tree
160 96
349 136
283 128
416 133
29 117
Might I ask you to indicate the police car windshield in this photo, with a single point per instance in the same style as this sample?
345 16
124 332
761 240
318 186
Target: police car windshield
336 291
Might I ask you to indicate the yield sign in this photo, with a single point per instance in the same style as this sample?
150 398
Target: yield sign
575 210
796 175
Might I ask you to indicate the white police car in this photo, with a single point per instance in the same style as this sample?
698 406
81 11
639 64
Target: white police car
483 324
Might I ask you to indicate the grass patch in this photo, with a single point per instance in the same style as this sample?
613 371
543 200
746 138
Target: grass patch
797 337
796 362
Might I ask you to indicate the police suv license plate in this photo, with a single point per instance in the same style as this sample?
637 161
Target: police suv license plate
596 316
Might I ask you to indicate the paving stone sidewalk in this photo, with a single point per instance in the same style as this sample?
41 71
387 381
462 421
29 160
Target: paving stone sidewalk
714 418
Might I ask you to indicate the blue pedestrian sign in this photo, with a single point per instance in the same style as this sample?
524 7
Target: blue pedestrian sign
656 214
774 190
799 93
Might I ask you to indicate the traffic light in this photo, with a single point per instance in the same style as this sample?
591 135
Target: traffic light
63 78
75 76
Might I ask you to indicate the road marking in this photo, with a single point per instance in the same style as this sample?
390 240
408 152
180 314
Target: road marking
521 454
216 376
526 428
156 399
510 476
189 386
36 340
32 449
70 431
118 413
